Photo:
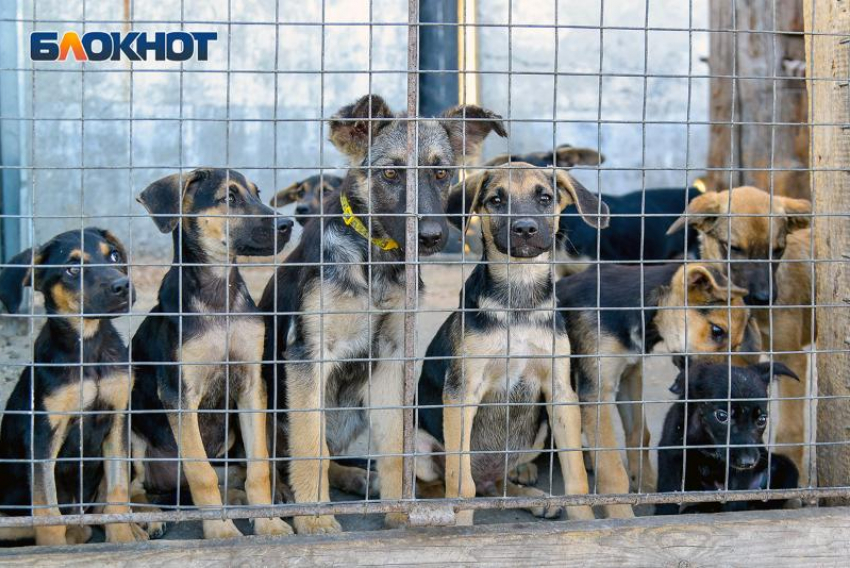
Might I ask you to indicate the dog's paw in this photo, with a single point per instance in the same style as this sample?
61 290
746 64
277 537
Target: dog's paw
395 520
273 526
125 532
550 512
524 474
318 524
220 529
155 529
77 534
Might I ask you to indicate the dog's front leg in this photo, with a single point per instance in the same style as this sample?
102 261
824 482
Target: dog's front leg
203 482
641 473
565 416
461 395
308 472
44 498
252 403
598 390
386 420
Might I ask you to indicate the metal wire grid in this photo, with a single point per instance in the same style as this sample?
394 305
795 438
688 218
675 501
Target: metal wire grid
410 359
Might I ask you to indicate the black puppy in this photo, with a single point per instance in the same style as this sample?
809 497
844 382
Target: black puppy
83 277
205 320
713 414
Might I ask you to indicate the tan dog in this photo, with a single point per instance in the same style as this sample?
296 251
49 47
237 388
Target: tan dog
767 230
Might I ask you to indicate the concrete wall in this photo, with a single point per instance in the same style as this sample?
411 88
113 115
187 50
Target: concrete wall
610 120
103 131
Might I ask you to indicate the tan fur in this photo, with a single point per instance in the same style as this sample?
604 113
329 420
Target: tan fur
790 328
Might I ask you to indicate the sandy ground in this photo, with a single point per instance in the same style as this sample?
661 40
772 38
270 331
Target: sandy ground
442 287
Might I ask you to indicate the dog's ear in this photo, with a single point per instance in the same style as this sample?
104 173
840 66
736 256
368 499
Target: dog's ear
465 198
798 213
766 371
567 157
287 195
701 212
467 127
354 127
692 376
593 211
678 386
110 238
17 276
706 286
163 198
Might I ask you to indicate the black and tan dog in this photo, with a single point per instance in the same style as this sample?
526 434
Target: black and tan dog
80 366
206 321
360 290
767 246
689 308
507 305
722 427
308 195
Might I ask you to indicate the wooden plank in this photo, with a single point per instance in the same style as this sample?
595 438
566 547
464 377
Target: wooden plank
774 133
827 59
816 537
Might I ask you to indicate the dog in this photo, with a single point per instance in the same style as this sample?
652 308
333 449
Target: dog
308 195
362 283
649 213
715 321
187 360
720 420
767 250
82 275
510 292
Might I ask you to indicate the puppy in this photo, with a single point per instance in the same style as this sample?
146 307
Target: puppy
507 303
326 320
720 420
604 318
308 195
768 251
187 360
83 277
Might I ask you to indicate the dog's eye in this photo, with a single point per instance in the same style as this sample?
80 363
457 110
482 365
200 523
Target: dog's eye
390 174
441 174
761 421
736 249
545 199
73 271
115 256
717 332
495 201
721 415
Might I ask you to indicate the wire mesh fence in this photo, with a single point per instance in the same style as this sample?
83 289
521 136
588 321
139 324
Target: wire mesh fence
424 314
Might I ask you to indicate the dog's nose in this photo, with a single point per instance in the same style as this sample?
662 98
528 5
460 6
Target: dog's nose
524 228
302 209
746 461
121 286
430 235
759 298
283 226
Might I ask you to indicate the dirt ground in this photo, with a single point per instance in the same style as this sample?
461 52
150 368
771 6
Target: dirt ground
442 282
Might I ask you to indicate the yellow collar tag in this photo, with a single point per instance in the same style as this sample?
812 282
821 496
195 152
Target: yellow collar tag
353 221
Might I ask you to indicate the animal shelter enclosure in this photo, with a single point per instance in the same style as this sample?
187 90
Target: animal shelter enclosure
552 271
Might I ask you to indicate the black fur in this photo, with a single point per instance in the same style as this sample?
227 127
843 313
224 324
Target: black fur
705 465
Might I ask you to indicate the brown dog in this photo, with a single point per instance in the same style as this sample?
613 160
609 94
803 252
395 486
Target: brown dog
768 229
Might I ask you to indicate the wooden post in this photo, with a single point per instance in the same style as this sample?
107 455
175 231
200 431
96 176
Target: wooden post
827 57
767 112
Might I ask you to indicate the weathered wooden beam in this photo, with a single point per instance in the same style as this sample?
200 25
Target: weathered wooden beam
816 537
758 97
827 57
